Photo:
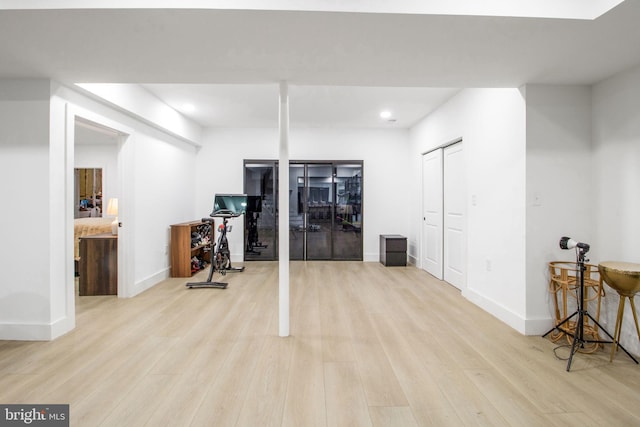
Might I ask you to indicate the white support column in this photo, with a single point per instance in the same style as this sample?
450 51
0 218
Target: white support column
283 212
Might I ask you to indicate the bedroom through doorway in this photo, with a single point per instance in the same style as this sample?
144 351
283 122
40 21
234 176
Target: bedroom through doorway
95 210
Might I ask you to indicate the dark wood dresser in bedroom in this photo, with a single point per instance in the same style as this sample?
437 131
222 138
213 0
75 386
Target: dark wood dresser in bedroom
98 266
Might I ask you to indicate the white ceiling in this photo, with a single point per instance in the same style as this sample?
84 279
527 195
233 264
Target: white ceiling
310 106
568 9
332 61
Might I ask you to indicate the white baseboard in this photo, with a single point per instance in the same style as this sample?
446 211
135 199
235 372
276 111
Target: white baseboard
36 332
371 257
149 282
524 326
62 326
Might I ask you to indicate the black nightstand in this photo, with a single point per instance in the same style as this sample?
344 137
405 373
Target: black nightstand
393 250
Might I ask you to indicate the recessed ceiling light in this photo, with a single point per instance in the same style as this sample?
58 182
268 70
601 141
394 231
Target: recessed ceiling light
386 114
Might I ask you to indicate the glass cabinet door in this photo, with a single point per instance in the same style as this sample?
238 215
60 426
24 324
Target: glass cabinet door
325 210
347 224
260 218
297 213
319 208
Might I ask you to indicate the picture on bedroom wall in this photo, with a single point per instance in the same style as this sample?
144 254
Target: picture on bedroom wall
88 192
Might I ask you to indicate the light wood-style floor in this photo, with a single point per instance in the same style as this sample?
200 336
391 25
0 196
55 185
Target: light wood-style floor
369 346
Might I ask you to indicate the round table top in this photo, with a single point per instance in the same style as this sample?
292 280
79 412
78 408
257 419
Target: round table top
624 277
629 267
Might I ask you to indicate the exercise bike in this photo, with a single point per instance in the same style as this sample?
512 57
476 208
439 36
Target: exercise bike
220 254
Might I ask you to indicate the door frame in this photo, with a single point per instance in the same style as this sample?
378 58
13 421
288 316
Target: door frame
126 254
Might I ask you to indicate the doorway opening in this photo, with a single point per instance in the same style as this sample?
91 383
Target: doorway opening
96 184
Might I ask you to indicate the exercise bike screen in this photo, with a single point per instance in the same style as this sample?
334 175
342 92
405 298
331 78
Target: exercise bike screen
233 203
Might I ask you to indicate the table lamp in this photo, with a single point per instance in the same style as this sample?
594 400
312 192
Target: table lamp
112 210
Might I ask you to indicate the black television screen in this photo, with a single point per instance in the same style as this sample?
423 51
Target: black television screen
234 204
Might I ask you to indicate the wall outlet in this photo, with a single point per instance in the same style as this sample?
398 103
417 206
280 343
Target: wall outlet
488 265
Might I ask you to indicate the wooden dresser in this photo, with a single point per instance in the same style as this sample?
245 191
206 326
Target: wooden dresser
98 265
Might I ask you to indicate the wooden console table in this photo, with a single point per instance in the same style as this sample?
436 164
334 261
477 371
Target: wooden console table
98 266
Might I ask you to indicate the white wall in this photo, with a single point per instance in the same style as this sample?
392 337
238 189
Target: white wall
220 170
582 171
386 177
616 138
156 175
616 171
560 195
25 306
491 123
164 190
29 262
36 163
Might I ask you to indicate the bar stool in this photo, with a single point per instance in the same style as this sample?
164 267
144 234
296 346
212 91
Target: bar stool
624 278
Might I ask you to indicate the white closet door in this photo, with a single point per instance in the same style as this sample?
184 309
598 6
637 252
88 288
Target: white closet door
432 213
454 215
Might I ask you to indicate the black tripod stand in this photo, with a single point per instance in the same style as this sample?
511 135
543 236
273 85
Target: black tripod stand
578 334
